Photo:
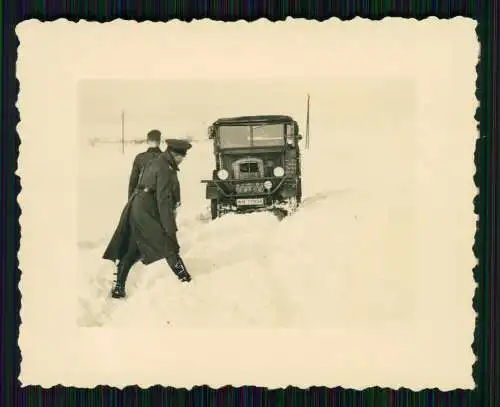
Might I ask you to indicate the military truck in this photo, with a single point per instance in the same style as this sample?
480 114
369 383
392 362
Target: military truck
257 165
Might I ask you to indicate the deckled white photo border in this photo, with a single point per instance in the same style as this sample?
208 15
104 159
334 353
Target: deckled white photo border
54 56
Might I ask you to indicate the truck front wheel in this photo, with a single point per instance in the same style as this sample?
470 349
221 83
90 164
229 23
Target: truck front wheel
214 208
299 191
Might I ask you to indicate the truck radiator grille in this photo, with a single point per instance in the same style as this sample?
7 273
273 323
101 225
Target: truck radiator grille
250 188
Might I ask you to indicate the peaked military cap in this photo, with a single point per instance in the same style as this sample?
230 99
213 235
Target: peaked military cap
178 146
154 135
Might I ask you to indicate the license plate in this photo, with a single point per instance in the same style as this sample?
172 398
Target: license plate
250 201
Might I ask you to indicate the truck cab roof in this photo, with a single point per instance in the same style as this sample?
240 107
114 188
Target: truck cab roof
257 119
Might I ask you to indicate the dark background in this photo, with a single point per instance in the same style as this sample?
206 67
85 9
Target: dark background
487 248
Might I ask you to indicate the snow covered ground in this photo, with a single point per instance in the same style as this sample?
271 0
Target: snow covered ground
327 264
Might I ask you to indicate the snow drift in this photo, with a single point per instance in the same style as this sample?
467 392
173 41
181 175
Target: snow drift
248 270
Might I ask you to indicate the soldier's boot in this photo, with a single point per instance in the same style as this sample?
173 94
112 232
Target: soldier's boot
179 268
118 290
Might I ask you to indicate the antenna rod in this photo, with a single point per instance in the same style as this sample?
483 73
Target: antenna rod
123 131
307 122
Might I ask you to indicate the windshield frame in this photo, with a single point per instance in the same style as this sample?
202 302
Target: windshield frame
270 142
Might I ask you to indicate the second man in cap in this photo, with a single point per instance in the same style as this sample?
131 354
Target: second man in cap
153 140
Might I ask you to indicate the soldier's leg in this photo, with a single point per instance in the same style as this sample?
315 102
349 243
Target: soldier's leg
178 267
126 263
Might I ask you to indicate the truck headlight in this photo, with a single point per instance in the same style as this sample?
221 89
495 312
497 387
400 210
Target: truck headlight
222 174
278 172
268 184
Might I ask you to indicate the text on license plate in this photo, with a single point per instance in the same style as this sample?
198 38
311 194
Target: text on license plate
250 201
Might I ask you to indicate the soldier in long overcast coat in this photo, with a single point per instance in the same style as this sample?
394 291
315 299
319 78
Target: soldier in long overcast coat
147 229
153 139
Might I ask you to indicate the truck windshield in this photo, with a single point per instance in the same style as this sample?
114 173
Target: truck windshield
263 135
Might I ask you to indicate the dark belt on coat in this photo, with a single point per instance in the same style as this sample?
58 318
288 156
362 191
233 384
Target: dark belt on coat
145 189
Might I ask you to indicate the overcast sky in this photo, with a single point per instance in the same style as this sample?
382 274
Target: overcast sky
180 108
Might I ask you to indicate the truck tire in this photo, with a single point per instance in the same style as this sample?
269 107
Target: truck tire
299 191
214 208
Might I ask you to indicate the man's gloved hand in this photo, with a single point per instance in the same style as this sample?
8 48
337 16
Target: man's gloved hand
178 267
184 276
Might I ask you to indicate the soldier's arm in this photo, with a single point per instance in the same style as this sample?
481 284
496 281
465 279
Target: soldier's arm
134 177
164 200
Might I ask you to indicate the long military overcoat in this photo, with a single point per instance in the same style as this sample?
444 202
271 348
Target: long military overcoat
140 161
149 217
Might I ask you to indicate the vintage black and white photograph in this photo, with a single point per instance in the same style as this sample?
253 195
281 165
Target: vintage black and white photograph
253 194
248 188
